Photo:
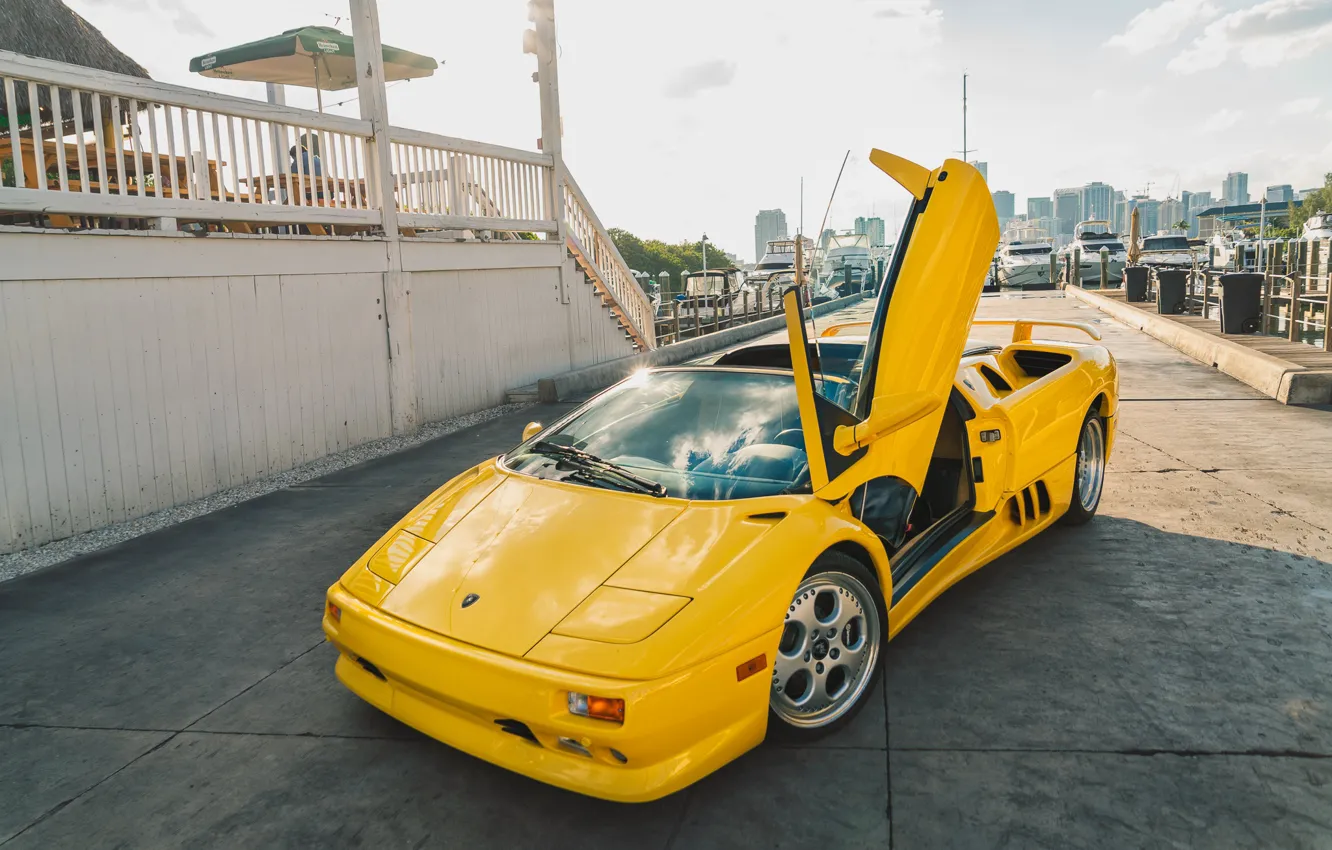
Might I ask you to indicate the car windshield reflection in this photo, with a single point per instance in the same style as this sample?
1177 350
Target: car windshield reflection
702 434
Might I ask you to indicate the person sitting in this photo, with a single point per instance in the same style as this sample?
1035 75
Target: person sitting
309 163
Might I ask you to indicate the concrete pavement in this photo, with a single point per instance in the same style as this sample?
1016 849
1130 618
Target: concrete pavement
1159 678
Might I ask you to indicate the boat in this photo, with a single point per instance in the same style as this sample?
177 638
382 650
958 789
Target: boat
1167 250
1089 237
848 265
778 259
712 290
1023 261
1318 226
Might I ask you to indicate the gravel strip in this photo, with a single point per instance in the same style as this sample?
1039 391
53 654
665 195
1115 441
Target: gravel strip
21 563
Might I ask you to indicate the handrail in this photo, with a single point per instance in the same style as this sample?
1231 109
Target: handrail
1022 328
46 71
422 138
591 243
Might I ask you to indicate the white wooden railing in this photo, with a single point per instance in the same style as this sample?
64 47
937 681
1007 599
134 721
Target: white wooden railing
116 145
443 182
596 253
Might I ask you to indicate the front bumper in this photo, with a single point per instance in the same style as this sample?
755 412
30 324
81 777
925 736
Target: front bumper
677 729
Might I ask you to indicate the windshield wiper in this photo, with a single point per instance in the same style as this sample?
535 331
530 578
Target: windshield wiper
590 463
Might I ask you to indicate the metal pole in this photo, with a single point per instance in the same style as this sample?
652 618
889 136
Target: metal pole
964 117
1262 231
705 252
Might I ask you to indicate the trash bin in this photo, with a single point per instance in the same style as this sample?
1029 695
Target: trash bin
1241 303
1135 283
1171 291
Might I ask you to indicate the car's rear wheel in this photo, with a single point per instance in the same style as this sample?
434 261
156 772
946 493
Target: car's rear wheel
827 660
1089 474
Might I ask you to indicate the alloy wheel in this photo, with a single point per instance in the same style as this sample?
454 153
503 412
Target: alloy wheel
828 649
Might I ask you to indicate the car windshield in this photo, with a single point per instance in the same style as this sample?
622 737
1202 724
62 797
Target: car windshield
1165 243
702 434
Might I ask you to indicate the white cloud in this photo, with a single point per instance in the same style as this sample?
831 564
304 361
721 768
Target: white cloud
689 81
1222 119
1300 106
1161 25
1263 35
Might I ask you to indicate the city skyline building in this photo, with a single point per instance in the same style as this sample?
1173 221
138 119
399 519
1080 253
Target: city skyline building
1171 213
1004 203
1040 207
1097 201
872 227
983 168
1235 189
1067 209
1280 194
768 225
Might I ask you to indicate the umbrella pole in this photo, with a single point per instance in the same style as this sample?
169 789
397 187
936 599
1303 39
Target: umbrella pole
319 94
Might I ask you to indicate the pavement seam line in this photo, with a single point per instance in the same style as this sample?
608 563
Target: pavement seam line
252 685
1146 752
58 807
887 752
1209 472
230 732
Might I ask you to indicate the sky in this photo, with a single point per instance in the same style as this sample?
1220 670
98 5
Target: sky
690 116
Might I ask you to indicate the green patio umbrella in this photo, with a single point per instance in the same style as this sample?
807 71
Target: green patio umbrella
321 58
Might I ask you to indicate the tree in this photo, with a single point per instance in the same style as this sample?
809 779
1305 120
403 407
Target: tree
1182 224
654 256
1319 200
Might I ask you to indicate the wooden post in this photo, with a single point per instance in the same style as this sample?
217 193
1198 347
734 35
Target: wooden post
716 315
1293 308
675 319
1327 302
745 295
1315 270
698 325
1105 268
1267 301
1054 270
397 283
1076 279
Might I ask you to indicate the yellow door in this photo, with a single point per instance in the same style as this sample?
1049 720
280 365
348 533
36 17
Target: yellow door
879 451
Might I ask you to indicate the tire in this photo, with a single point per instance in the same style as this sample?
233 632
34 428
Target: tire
1089 476
838 594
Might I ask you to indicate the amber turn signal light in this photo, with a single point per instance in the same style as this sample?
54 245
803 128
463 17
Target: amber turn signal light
598 708
750 667
334 613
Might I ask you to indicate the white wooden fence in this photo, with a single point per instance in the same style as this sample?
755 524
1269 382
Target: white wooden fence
93 148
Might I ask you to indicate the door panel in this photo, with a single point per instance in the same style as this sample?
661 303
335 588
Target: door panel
916 339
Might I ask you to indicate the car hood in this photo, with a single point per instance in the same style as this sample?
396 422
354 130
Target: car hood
530 552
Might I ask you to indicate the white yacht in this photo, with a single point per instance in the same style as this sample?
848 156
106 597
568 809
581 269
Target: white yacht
847 254
778 257
1166 250
1318 226
712 291
1090 237
1023 262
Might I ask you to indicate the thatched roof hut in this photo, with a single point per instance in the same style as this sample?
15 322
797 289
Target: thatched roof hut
48 29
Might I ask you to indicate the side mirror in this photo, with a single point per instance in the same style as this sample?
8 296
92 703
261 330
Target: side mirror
886 416
531 429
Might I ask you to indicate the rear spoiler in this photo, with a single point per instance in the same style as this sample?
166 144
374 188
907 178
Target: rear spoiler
1022 328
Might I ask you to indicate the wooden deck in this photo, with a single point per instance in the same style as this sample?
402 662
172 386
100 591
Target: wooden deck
1296 353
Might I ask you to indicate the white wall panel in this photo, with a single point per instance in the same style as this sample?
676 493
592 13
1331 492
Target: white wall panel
124 395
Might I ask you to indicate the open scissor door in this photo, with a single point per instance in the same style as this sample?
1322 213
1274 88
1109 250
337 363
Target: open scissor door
915 342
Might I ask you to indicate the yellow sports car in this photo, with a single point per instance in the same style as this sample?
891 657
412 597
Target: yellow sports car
703 556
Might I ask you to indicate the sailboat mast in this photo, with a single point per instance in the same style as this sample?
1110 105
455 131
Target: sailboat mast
964 117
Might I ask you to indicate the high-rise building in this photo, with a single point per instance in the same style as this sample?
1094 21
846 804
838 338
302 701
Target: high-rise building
1068 209
873 228
1197 202
983 168
1149 214
1046 224
768 225
1236 188
1170 213
1117 223
1280 194
1040 208
1097 201
1003 206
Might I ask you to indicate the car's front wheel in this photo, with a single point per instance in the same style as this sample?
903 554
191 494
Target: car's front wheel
1089 476
828 657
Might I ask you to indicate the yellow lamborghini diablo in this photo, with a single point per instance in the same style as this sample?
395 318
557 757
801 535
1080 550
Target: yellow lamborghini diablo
700 557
